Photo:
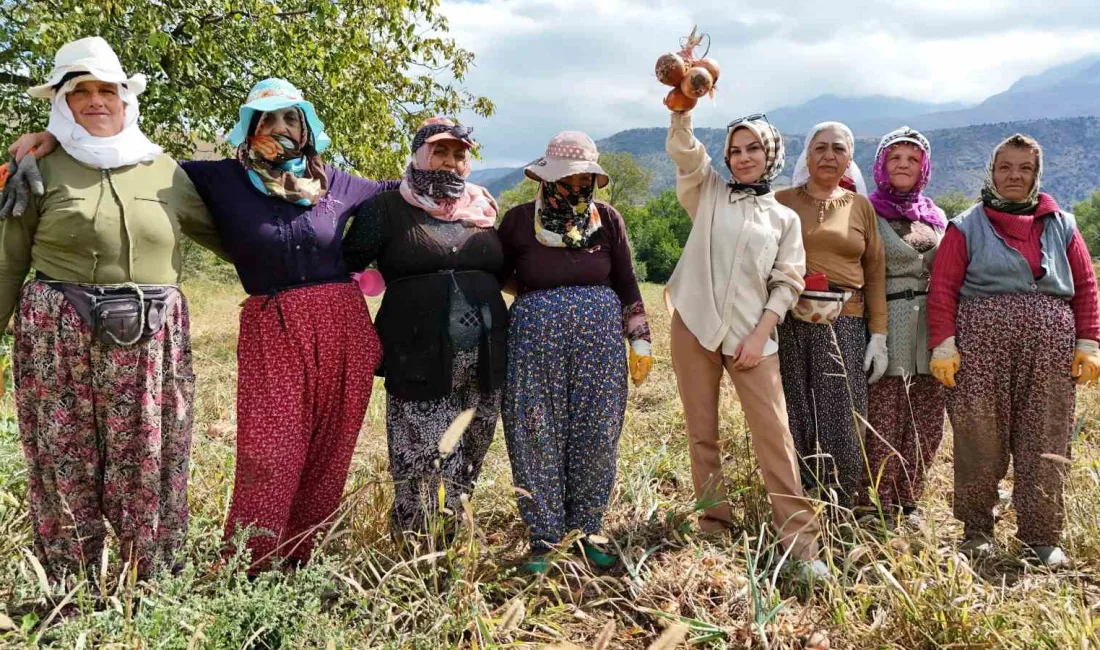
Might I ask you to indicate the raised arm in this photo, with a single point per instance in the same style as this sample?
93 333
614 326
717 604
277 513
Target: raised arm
693 169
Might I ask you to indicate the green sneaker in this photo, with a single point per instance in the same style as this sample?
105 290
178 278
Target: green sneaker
537 564
597 556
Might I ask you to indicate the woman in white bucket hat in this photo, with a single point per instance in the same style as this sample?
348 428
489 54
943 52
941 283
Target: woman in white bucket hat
103 374
565 393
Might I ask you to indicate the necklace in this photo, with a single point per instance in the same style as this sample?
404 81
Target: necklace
825 205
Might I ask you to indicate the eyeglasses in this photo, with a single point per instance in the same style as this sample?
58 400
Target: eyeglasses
748 118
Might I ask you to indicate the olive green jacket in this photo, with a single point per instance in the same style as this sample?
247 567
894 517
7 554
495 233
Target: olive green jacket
104 226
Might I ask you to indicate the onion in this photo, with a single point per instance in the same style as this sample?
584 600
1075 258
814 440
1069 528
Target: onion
697 82
712 67
677 101
670 69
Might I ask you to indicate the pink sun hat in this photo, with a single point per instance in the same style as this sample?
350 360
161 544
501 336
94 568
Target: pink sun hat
568 153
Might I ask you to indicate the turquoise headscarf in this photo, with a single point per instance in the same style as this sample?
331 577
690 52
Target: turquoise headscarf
291 171
271 95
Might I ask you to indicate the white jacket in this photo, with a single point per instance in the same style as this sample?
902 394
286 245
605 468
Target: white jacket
744 254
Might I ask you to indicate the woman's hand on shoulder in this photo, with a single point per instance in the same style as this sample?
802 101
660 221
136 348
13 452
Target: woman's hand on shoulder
39 144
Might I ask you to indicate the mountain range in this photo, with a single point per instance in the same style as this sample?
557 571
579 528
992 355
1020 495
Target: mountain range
1059 107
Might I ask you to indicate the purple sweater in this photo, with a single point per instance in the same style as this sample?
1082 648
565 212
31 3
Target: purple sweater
274 243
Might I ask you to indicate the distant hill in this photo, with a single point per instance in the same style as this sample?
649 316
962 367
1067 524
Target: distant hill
959 156
1071 147
1069 90
1064 91
486 176
1059 107
862 114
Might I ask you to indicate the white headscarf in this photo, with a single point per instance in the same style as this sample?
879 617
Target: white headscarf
802 168
129 147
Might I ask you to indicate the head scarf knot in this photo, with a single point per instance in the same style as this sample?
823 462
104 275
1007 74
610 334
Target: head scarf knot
890 203
774 156
852 178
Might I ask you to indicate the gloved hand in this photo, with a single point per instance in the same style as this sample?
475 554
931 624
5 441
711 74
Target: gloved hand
945 362
24 181
876 358
640 361
1086 362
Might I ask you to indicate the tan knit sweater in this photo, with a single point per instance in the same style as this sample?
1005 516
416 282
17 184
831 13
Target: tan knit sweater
846 247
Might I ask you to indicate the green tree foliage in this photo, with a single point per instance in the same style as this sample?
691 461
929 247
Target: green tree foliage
372 69
522 193
658 232
953 203
629 181
1087 213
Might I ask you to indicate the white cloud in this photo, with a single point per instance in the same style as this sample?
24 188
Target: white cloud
588 64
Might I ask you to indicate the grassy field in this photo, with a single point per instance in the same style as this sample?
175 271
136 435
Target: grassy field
904 589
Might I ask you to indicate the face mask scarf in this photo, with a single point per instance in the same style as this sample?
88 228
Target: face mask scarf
283 168
566 217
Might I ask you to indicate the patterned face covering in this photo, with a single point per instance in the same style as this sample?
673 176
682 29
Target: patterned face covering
280 167
437 183
566 217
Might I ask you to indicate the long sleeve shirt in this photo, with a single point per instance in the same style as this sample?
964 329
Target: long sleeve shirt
275 243
744 253
842 241
1023 234
536 266
103 226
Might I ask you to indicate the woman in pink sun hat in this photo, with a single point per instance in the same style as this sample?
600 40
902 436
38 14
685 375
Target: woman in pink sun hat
578 298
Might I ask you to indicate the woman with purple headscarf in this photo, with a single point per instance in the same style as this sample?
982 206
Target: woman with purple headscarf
905 408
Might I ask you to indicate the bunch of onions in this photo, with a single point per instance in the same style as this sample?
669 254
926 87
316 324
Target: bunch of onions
690 77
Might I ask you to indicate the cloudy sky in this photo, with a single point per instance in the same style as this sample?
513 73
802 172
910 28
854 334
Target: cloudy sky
551 65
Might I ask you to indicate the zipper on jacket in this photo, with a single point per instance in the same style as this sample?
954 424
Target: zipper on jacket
125 225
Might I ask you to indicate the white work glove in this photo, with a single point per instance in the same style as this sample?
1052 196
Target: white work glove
877 358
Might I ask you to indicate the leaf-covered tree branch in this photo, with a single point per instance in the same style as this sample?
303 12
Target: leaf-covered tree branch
373 68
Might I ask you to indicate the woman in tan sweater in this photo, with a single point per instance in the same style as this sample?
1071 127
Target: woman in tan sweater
739 275
827 398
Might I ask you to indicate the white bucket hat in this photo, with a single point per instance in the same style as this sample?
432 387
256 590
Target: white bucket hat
94 56
569 152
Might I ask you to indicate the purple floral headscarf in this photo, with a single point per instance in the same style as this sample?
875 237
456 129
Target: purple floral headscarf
911 205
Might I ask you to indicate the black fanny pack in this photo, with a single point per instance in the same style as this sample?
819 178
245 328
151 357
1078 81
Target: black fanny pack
119 315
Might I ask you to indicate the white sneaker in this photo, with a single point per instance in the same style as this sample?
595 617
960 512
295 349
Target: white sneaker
1052 557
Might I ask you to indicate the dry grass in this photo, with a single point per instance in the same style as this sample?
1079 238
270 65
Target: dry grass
907 589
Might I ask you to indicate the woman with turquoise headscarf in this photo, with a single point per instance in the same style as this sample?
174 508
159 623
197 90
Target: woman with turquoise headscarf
307 350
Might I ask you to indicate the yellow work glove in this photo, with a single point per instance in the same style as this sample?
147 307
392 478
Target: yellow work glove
640 361
1086 362
945 362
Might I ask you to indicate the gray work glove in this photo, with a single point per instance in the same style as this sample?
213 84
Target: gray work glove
24 181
